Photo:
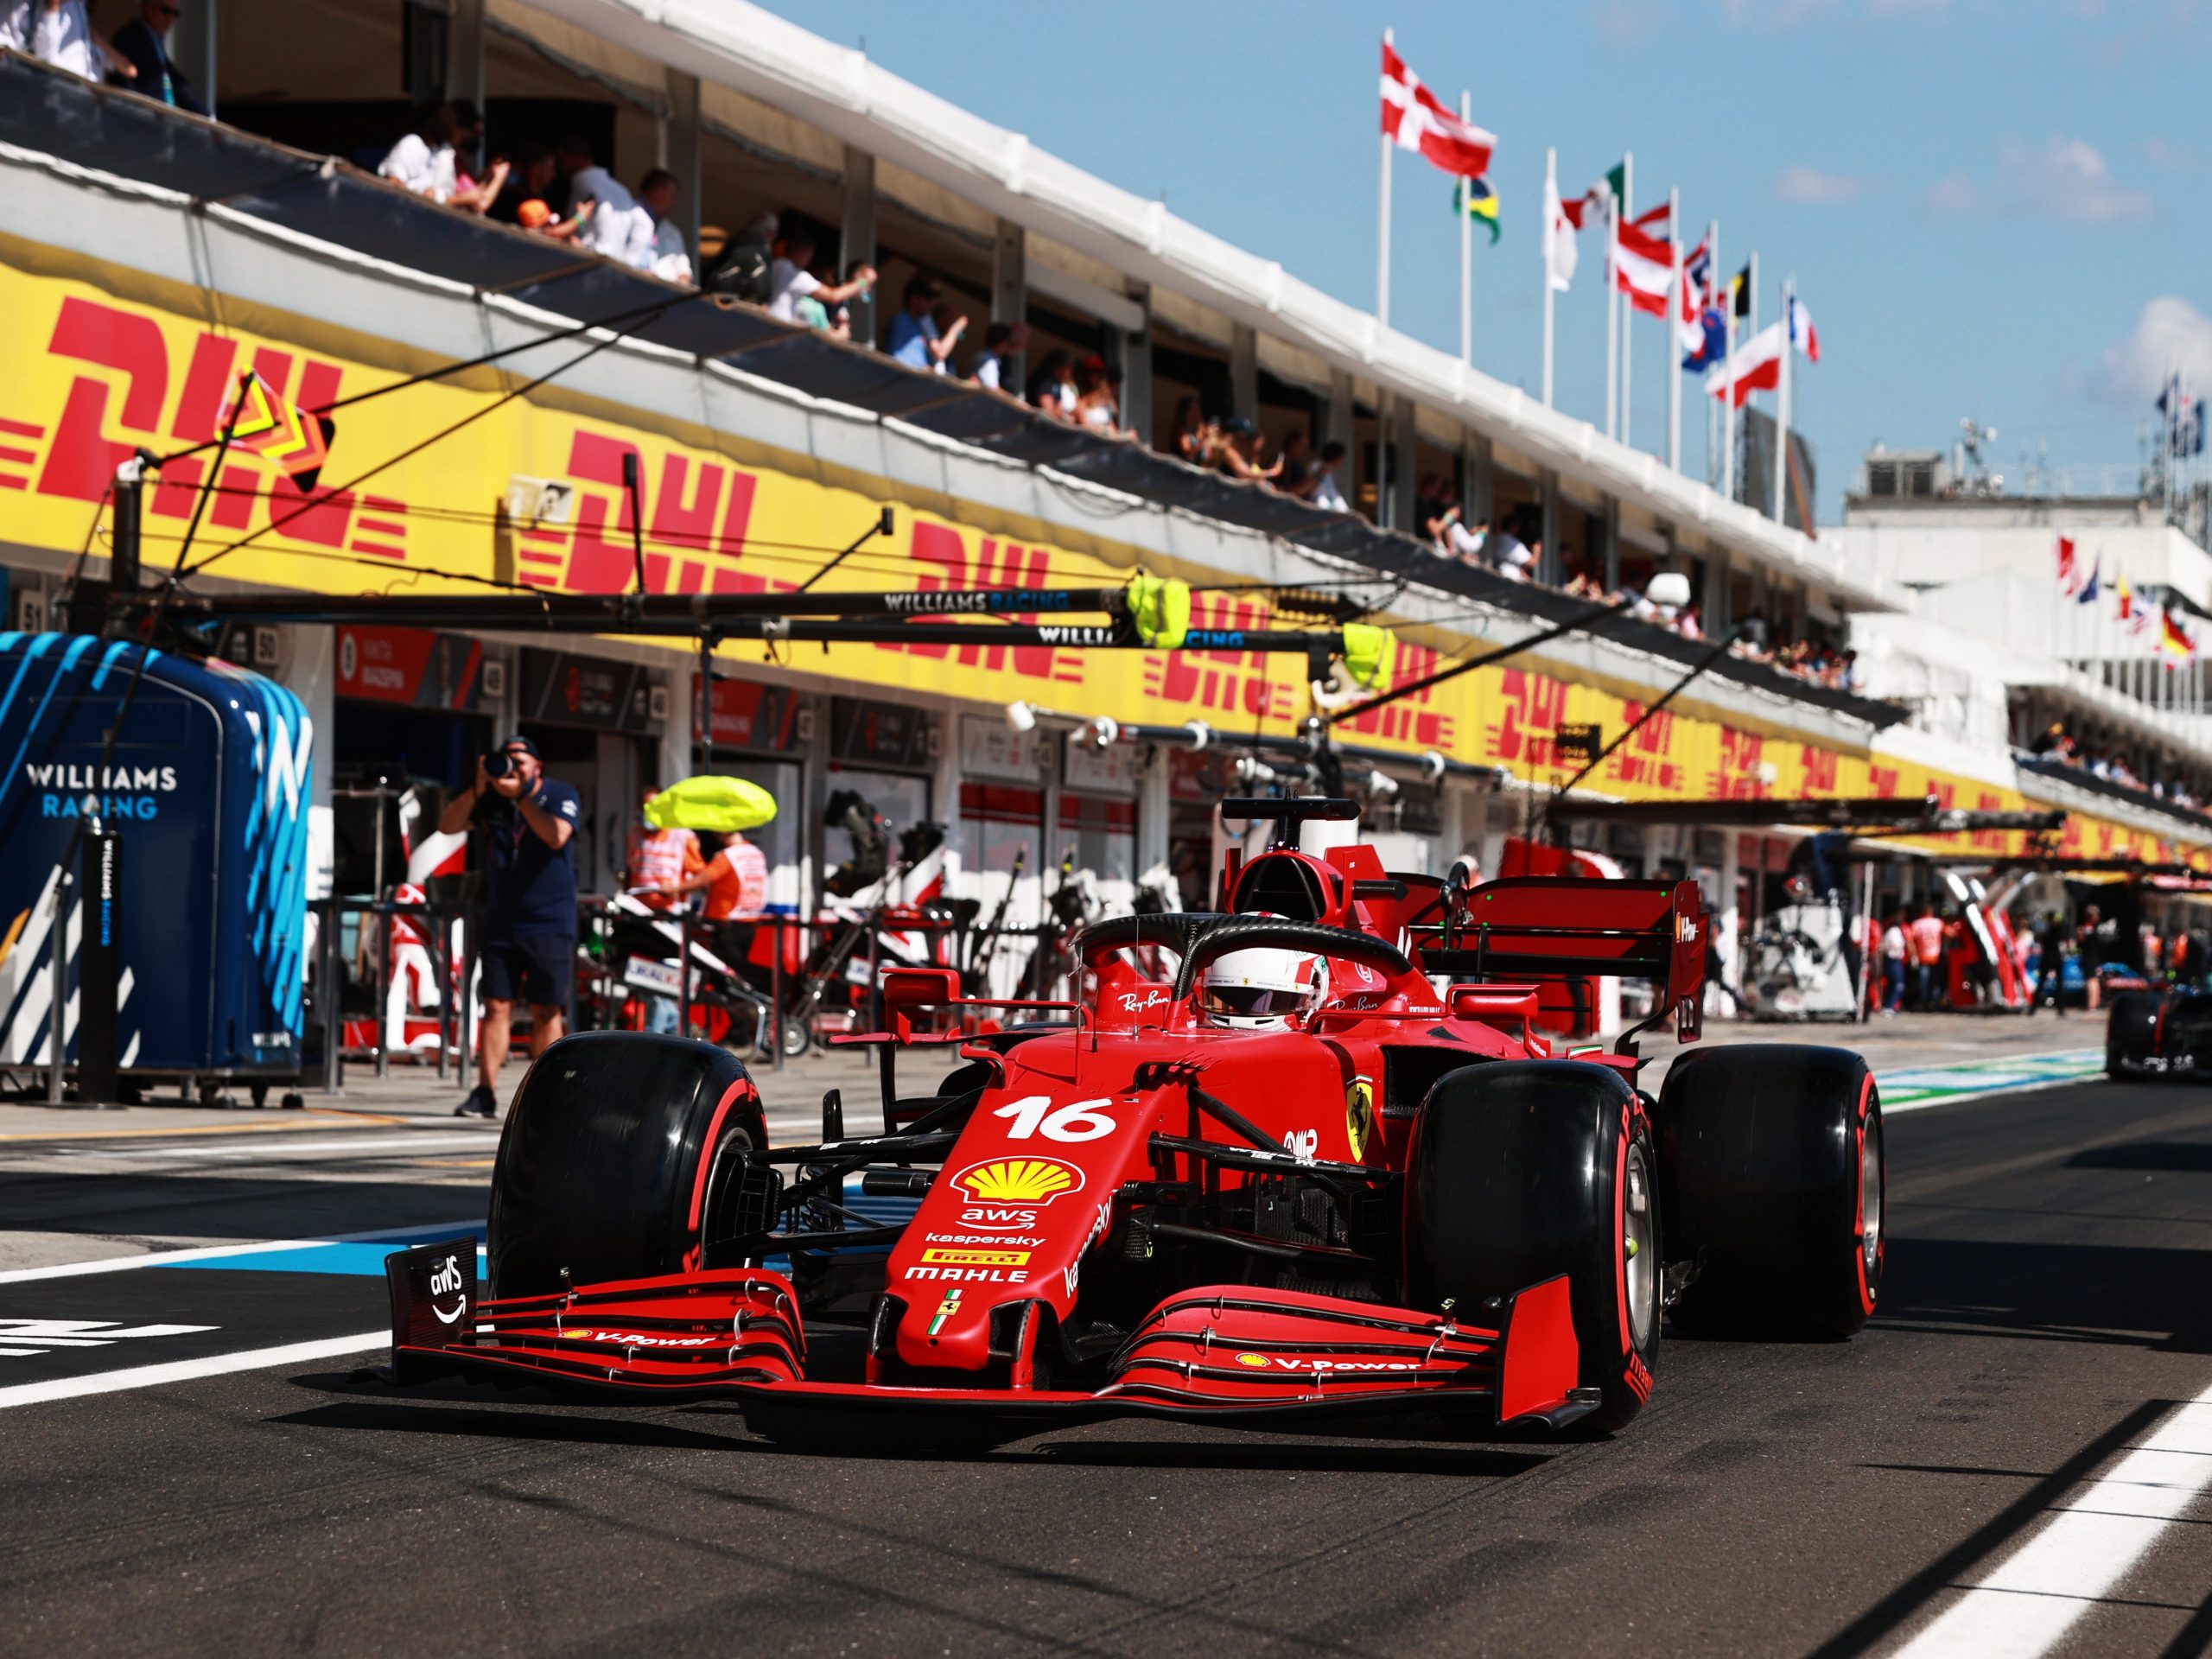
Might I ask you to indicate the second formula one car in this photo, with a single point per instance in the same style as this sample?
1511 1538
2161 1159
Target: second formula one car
1325 1175
2165 1034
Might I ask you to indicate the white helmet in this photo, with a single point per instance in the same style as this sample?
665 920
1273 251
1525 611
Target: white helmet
1260 989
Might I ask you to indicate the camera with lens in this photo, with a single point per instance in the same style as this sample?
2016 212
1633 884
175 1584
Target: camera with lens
498 764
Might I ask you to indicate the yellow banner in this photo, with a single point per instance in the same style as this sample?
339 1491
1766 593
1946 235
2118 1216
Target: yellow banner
100 367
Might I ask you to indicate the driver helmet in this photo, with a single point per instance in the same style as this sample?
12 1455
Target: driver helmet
1258 990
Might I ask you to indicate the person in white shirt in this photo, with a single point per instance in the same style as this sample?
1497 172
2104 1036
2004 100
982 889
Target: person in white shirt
790 281
1326 493
672 259
998 365
60 33
423 160
618 228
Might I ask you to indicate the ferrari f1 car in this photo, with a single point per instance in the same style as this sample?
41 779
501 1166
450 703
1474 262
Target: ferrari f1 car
2165 1034
1325 1175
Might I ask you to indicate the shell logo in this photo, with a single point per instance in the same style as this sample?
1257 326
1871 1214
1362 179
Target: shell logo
1018 1180
1256 1361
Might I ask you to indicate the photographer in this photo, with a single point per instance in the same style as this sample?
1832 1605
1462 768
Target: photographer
525 823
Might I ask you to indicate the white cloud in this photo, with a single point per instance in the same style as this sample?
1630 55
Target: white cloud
2171 334
2173 157
2064 178
1809 184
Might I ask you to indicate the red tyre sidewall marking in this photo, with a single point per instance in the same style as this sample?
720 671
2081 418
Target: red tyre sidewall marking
1858 1208
739 1090
1620 1231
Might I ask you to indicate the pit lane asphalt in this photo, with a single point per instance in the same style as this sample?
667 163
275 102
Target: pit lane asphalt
2050 1298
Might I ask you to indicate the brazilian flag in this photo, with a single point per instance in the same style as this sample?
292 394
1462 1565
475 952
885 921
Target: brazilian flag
1475 198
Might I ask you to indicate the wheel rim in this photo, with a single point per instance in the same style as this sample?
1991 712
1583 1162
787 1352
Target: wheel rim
1870 1196
1641 1245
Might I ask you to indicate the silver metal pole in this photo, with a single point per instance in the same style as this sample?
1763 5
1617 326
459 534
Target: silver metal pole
1781 414
1466 249
1628 311
1612 321
57 943
1673 333
1712 414
1383 226
1543 253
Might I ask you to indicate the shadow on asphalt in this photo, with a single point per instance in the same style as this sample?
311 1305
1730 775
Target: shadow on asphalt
237 1206
2163 1157
505 1423
2056 1292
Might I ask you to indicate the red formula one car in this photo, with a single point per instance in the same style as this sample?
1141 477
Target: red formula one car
1325 1175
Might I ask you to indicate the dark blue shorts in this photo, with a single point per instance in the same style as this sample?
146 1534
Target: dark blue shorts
535 964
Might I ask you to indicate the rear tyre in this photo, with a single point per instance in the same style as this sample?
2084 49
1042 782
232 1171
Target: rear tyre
616 1148
1774 1182
1523 1170
2132 1032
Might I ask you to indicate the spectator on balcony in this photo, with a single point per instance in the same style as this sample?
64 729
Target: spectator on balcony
531 176
1326 493
1098 398
1509 554
1189 436
672 259
915 338
1239 455
1003 345
950 325
790 281
1052 388
618 228
140 39
1300 475
60 33
422 160
471 193
1432 509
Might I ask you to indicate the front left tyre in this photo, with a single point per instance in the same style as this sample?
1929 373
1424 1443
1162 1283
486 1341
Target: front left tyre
615 1155
2132 1032
1523 1170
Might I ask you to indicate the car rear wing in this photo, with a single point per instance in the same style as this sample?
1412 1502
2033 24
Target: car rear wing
1535 927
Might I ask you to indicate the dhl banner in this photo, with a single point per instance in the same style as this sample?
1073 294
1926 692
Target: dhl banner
98 367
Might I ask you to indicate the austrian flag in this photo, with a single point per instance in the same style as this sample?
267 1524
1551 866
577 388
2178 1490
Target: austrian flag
1415 118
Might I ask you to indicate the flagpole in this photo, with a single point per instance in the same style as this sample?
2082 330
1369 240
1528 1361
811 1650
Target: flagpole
1628 312
1673 334
1544 258
1728 398
1383 322
1612 320
1782 413
1712 415
1466 248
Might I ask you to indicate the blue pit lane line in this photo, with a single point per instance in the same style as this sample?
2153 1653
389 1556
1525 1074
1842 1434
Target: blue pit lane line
354 1259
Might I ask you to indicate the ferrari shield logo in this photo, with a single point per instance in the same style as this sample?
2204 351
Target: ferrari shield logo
1359 1116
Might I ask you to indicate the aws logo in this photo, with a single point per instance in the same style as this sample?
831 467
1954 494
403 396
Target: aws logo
1018 1180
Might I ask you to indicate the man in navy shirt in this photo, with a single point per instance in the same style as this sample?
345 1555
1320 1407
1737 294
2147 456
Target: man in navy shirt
526 828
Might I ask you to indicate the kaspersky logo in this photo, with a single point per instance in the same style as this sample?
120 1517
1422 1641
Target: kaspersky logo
1018 1180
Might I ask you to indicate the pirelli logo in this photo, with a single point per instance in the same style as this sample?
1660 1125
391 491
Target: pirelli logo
977 1258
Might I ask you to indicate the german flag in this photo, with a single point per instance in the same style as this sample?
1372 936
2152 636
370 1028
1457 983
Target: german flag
2172 637
293 439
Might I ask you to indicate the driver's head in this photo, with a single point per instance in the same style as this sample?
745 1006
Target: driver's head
1258 990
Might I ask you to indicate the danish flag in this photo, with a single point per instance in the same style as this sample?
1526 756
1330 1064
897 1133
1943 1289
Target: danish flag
1415 118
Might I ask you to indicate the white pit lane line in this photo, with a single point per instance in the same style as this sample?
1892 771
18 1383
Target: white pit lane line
185 1370
2098 1534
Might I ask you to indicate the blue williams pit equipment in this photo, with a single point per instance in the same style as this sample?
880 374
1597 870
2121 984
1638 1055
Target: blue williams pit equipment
208 791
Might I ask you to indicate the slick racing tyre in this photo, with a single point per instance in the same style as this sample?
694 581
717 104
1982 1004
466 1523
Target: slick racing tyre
617 1146
1523 1170
2132 1032
1772 1179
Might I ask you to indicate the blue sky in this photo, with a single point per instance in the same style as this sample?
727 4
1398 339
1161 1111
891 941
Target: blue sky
1992 210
